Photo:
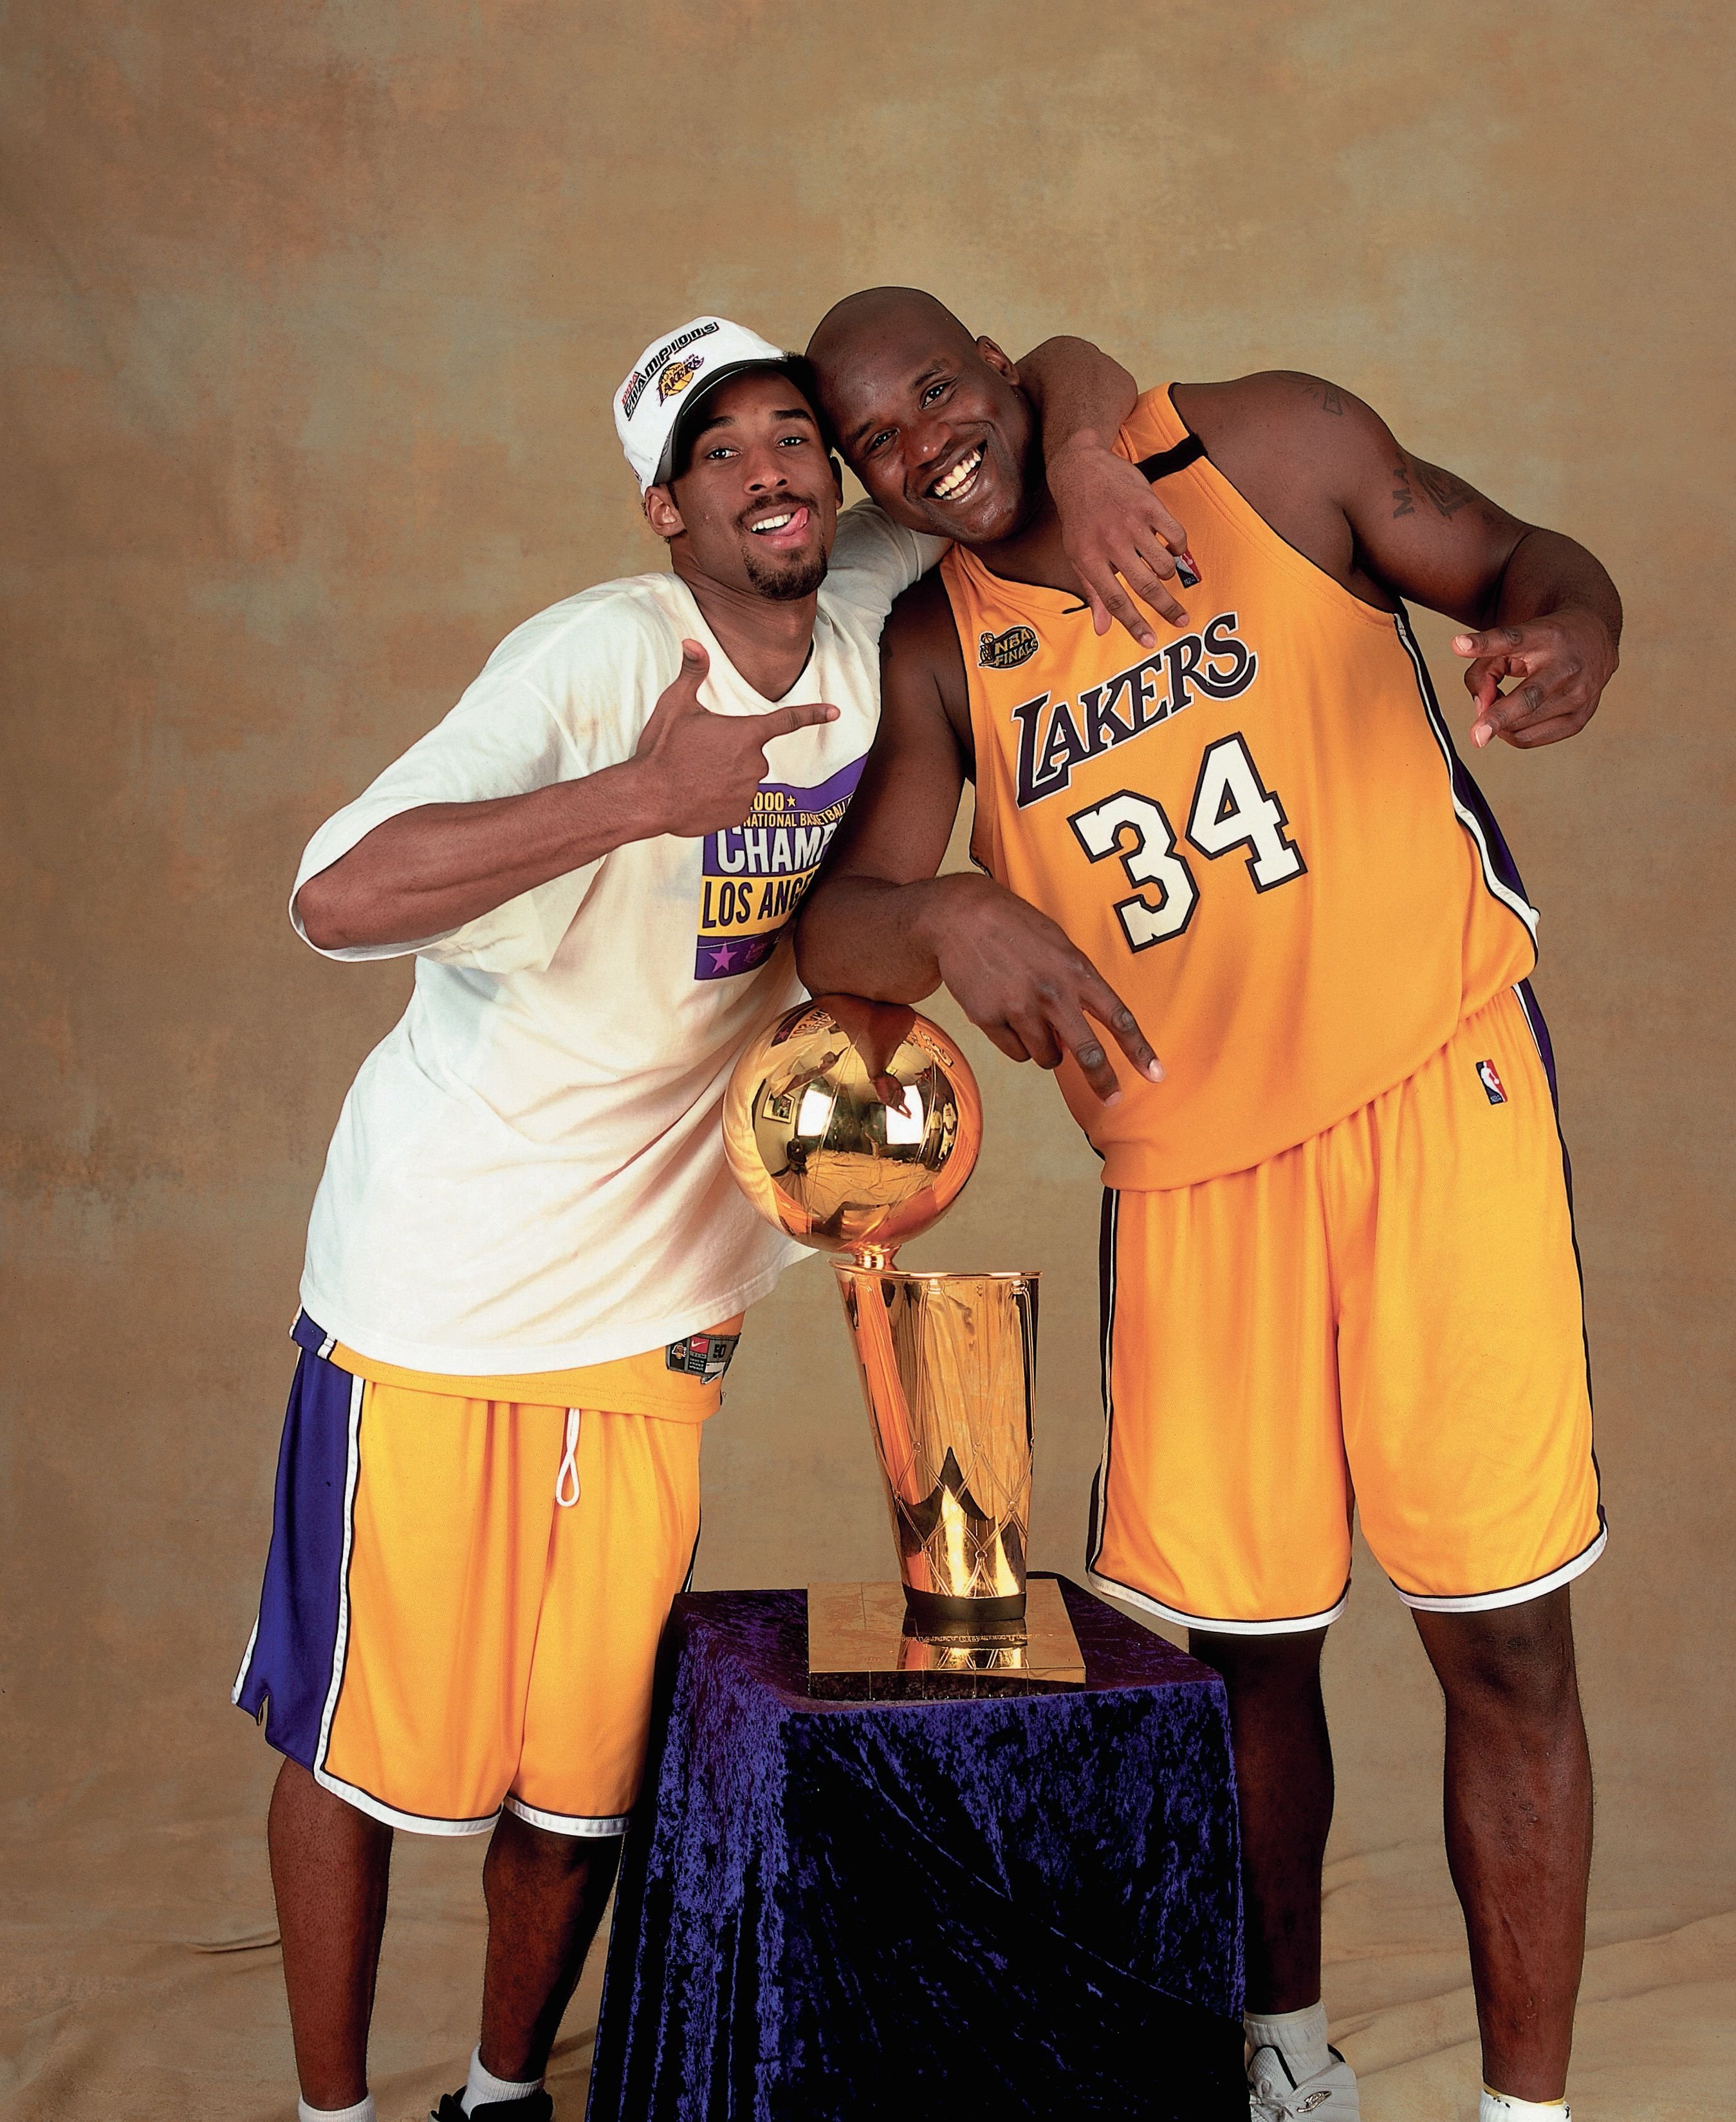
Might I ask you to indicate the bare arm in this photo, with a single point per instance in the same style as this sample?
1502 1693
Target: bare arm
1325 469
1114 529
1081 395
880 922
431 869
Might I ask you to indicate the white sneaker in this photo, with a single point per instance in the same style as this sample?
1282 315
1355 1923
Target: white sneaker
1274 2095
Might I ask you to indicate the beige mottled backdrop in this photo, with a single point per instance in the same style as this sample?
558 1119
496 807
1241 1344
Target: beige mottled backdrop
312 313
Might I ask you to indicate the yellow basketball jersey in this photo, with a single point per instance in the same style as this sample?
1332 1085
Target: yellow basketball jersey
1259 834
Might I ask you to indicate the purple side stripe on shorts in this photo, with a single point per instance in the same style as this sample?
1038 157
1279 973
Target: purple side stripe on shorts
1539 1032
289 1674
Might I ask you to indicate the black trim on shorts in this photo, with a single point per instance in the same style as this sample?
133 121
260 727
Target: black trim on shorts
1538 1027
1106 1224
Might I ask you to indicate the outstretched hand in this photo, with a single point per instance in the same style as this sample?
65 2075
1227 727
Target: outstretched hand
703 770
1017 978
1560 664
1116 531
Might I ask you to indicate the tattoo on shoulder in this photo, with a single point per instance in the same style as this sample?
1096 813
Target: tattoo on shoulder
1325 395
1445 492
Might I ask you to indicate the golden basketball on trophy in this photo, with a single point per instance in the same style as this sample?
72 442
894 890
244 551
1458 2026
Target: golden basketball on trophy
854 1126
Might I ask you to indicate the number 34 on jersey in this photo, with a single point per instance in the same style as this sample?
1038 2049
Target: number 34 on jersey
1232 812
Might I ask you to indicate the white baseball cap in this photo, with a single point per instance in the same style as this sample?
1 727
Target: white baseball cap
673 374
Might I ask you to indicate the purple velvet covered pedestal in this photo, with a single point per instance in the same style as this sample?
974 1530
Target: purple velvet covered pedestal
1023 1906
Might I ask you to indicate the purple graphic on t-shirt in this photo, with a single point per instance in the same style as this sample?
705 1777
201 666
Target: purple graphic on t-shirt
753 875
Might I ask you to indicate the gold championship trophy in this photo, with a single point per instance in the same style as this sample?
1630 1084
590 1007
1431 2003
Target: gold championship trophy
854 1126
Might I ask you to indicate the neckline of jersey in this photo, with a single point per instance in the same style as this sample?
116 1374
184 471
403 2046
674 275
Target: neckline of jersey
1228 503
715 649
1233 508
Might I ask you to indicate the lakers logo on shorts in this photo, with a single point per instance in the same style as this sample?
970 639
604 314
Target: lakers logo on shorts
1006 652
677 375
703 1356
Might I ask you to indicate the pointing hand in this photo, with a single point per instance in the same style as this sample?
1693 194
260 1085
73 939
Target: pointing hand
703 770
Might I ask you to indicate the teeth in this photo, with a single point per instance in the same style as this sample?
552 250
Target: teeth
945 488
773 522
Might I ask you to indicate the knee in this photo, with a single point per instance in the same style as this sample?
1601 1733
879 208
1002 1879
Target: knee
1517 1662
527 1850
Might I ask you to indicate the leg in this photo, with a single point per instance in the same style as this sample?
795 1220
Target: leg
328 1868
1519 1828
1283 1786
545 1893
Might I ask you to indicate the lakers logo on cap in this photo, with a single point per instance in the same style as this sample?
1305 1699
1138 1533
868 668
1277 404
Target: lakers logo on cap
677 375
1006 652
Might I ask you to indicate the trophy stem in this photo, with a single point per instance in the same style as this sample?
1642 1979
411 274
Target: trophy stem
948 1365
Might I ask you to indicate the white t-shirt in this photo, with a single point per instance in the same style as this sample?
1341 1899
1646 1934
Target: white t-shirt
528 1172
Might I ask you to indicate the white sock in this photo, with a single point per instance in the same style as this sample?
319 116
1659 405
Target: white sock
482 2087
1299 2037
1503 2107
362 2111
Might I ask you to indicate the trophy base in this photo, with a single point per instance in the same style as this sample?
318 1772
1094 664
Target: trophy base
938 1617
860 1648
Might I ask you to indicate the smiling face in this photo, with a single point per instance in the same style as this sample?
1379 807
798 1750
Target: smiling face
930 420
755 506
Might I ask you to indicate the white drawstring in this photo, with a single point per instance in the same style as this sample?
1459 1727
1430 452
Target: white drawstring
569 1465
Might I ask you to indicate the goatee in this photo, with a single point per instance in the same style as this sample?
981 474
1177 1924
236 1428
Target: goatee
786 584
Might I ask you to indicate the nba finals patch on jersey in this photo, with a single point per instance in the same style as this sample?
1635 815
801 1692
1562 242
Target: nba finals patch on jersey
703 1356
1493 1088
1006 652
753 876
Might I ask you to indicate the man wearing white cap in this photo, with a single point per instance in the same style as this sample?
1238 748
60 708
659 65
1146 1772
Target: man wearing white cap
526 1265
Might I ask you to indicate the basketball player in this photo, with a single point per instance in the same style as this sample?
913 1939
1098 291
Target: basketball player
1338 1262
527 1264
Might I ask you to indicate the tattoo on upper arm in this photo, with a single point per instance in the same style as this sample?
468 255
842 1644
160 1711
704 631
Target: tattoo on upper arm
1401 490
1325 395
1444 490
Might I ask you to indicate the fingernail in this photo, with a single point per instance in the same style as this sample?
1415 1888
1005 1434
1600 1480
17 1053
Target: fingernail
1480 735
1462 644
1113 1098
1154 1069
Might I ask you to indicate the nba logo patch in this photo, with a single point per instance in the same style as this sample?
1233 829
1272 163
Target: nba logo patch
1493 1088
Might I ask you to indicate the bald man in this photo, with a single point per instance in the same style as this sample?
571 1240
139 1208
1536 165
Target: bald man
1338 1263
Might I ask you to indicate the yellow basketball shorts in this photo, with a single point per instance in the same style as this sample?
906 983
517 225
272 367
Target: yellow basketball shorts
1386 1319
464 1595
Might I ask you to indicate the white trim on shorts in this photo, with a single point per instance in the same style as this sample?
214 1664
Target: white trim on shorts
1295 1624
341 1635
241 1678
594 1825
1515 1595
417 1823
